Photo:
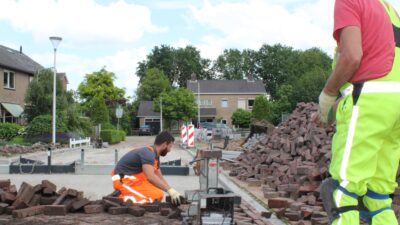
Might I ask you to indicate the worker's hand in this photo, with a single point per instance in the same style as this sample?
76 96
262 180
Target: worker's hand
325 110
175 196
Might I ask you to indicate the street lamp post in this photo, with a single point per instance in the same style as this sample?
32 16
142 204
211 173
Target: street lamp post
198 104
55 41
161 121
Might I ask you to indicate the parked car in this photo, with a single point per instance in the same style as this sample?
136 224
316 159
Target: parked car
208 125
145 130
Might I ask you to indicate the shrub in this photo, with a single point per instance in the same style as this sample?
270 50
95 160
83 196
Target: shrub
19 140
9 130
241 118
112 136
43 125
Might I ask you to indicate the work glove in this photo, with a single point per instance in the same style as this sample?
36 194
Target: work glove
175 196
325 111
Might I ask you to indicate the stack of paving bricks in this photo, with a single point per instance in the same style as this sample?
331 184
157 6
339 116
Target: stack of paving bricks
45 199
289 164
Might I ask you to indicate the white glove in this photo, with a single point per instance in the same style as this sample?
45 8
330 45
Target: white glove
175 196
326 103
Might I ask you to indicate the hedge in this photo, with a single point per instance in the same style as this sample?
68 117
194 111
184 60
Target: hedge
43 124
113 136
9 130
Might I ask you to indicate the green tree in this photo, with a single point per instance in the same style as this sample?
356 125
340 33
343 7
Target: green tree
262 109
100 85
241 118
187 62
162 58
282 104
152 85
99 112
308 87
277 64
178 105
39 95
230 65
177 64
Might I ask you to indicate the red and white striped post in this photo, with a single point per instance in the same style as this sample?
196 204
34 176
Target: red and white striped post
191 136
184 135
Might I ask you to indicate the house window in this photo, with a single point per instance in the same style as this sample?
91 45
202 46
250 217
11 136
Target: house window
223 121
9 80
205 103
224 103
241 104
250 103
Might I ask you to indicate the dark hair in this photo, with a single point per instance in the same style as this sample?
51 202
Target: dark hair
162 137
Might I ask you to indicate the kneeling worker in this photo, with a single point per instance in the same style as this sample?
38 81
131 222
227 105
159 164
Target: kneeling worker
137 174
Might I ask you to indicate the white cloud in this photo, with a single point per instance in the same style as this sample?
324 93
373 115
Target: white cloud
251 23
79 21
181 43
122 63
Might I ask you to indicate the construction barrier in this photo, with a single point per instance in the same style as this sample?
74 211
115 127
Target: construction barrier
191 135
184 134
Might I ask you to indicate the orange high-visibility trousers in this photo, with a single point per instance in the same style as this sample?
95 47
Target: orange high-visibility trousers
136 187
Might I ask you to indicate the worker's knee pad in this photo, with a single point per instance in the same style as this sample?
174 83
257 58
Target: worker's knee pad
328 187
372 204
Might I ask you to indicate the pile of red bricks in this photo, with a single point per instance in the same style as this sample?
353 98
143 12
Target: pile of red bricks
45 199
289 164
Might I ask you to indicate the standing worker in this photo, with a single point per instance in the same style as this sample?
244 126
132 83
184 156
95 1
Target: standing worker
366 146
137 174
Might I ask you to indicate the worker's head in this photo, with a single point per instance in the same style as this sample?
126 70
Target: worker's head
164 142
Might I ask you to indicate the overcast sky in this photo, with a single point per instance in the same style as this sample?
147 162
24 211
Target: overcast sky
118 34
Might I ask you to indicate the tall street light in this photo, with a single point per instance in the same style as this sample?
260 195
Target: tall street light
55 41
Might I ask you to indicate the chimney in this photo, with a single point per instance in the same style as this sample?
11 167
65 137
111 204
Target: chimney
250 77
20 49
193 77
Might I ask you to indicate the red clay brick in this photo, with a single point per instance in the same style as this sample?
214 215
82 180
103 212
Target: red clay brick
278 202
72 192
50 185
118 210
55 210
35 200
5 183
25 193
136 211
48 191
165 211
151 207
92 209
7 197
19 204
3 207
37 188
79 204
22 213
60 198
44 200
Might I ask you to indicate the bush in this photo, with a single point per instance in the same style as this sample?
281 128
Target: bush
112 136
241 118
19 140
9 130
43 125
